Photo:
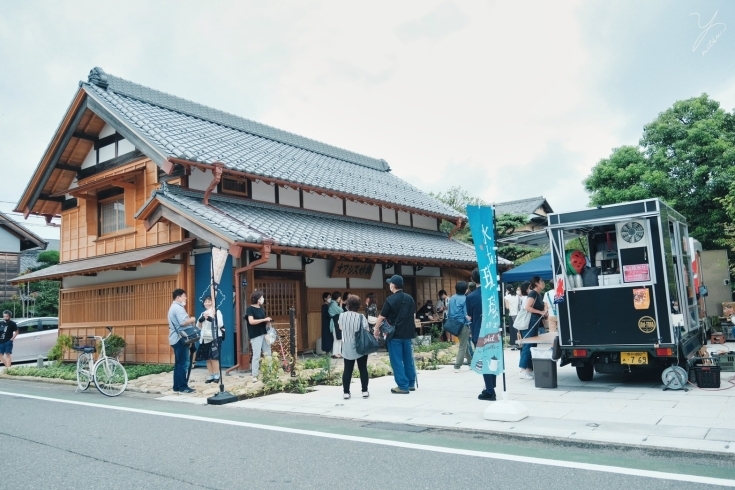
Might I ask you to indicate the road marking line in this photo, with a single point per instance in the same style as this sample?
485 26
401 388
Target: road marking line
406 445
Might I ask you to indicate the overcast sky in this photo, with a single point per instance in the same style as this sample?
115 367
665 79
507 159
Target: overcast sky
506 99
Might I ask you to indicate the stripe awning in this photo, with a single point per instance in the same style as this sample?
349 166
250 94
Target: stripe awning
122 260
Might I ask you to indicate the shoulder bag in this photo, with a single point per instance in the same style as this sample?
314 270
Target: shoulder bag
522 319
190 334
365 342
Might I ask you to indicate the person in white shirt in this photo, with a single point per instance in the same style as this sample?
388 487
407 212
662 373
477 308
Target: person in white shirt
551 307
512 303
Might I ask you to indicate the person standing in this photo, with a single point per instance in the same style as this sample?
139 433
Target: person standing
457 314
512 306
474 310
344 300
178 318
209 348
440 308
335 310
350 322
327 336
8 333
398 309
535 306
257 322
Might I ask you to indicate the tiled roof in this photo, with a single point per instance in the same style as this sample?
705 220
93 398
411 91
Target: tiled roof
184 129
521 206
252 221
29 258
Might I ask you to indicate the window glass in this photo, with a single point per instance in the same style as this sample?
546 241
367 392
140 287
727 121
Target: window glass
50 324
112 216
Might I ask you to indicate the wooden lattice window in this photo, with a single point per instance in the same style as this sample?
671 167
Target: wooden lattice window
112 216
279 296
234 186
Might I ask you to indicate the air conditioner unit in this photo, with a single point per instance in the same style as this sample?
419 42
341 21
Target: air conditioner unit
632 234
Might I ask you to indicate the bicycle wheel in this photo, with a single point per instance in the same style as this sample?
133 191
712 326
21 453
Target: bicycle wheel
84 377
110 377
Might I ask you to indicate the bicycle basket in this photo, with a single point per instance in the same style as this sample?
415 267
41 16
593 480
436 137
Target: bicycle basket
83 344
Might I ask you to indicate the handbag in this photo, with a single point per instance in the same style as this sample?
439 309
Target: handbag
453 326
189 334
372 320
270 334
365 342
387 329
522 320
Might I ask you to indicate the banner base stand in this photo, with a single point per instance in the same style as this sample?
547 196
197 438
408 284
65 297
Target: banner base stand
506 410
222 398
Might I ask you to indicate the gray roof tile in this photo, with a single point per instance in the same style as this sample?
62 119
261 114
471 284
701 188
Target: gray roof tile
522 206
184 129
292 227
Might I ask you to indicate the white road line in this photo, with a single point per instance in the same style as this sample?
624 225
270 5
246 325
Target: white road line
407 445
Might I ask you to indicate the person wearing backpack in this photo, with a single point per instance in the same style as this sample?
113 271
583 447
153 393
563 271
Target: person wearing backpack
350 322
458 323
398 310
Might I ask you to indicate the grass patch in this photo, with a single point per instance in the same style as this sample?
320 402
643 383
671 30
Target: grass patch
433 347
68 371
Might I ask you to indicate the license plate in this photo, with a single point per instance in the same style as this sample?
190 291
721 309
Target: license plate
634 358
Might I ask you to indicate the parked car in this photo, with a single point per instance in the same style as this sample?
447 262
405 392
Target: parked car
35 338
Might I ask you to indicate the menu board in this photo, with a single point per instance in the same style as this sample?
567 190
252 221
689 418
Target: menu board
636 273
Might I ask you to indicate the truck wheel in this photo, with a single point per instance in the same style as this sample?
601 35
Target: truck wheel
586 371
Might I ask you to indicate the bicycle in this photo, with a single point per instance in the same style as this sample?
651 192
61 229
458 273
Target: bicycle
108 374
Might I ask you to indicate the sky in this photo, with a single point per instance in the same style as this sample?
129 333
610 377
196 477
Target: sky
508 100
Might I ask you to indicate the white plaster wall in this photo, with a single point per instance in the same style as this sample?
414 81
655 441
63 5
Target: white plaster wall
291 262
317 276
154 270
429 272
325 204
91 159
9 242
200 180
406 270
389 215
404 218
289 197
264 192
124 146
376 281
106 131
424 222
107 153
271 264
360 210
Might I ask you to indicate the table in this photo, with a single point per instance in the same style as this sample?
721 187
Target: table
546 338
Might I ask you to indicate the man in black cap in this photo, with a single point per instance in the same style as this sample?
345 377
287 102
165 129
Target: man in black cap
398 310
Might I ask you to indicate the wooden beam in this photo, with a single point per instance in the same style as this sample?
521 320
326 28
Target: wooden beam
122 184
173 261
86 197
71 168
56 155
154 217
129 269
198 230
84 136
46 197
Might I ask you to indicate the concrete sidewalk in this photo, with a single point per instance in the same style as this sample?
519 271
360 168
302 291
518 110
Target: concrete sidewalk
607 409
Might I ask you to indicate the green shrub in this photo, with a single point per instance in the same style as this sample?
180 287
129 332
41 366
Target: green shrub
436 346
320 362
68 370
114 345
270 373
60 348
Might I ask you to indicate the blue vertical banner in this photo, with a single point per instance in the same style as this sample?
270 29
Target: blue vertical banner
488 357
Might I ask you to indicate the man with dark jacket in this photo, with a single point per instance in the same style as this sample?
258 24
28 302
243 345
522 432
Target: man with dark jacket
474 311
399 309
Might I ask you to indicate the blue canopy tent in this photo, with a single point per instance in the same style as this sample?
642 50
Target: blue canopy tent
540 266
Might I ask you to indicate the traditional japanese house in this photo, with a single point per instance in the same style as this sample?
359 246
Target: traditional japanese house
146 182
14 240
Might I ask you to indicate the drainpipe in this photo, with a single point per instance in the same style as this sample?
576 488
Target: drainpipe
265 252
217 169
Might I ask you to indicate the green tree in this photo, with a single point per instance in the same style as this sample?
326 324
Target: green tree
458 198
44 293
686 157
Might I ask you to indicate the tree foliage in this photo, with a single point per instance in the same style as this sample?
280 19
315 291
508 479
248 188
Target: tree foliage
458 198
686 157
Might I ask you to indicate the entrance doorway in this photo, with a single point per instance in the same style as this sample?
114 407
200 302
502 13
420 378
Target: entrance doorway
280 295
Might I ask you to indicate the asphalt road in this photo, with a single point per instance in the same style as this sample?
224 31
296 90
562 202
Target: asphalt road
151 444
